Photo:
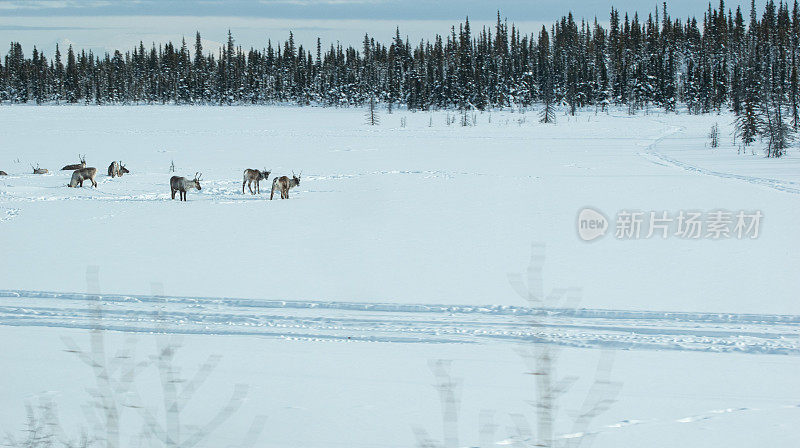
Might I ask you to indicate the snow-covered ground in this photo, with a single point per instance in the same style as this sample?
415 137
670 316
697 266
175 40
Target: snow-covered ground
395 250
424 214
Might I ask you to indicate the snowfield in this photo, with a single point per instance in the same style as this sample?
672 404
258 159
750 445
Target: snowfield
396 250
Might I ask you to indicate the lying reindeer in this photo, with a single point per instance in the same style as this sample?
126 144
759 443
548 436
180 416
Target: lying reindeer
82 174
37 170
181 184
256 176
76 166
284 184
3 173
117 169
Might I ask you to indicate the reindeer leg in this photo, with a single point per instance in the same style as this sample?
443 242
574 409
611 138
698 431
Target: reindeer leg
173 194
243 182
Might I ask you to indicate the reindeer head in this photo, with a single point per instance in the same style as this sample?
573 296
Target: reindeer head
265 174
83 160
196 181
122 169
296 179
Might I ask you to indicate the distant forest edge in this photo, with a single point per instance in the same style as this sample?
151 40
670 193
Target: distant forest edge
702 66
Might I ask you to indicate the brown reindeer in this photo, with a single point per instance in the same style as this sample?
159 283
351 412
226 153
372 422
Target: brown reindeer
254 176
284 184
76 166
181 184
113 169
117 169
82 174
37 170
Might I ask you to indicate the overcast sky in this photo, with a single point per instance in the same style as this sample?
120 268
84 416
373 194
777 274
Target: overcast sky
104 25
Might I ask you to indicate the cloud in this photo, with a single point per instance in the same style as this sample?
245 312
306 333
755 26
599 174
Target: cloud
47 28
51 4
397 10
320 2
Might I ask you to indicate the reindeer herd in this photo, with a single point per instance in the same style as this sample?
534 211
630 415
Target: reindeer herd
177 184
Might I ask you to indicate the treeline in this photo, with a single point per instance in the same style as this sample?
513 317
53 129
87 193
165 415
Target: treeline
720 61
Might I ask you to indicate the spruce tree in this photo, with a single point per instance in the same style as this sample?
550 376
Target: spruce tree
641 60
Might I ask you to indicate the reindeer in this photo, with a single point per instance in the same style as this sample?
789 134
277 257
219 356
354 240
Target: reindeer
113 169
117 169
82 174
76 166
3 173
181 184
37 170
284 184
256 176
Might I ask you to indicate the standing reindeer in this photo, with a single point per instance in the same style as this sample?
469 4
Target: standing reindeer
37 170
181 184
284 184
76 166
256 176
82 174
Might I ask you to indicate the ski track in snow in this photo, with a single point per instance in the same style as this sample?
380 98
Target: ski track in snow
698 418
220 191
659 158
316 320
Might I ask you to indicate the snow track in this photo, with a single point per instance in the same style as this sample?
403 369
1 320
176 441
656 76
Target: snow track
662 159
402 323
156 188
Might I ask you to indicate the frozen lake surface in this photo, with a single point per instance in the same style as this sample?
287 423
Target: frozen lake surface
395 250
